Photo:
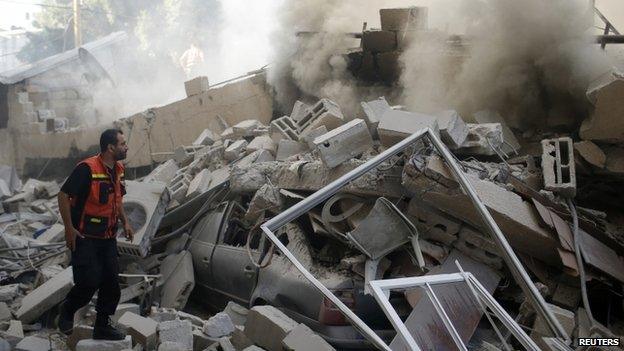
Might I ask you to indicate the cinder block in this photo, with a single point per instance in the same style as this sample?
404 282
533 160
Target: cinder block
141 329
509 138
218 325
45 296
324 113
379 40
163 173
478 247
558 166
453 129
196 86
434 224
199 184
248 128
104 345
177 271
205 138
404 19
343 143
267 326
299 111
302 338
374 110
308 139
284 128
398 125
180 331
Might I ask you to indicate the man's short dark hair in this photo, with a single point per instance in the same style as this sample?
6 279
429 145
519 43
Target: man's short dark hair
109 137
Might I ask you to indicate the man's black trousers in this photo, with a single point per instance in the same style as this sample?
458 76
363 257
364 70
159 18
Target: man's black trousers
96 268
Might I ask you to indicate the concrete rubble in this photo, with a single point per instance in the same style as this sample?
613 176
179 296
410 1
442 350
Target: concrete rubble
200 274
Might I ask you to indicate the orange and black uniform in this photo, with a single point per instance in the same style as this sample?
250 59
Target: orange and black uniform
95 192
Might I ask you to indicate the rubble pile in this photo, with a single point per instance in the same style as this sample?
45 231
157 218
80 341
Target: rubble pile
197 219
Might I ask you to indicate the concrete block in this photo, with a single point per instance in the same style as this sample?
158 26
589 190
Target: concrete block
299 111
179 278
509 138
33 343
453 129
199 184
201 341
374 110
171 346
144 205
163 173
182 156
540 328
287 148
379 40
122 308
478 247
8 292
605 123
248 128
397 125
591 153
176 331
434 224
267 326
141 329
196 86
284 128
302 338
218 325
5 312
238 314
15 332
206 137
558 166
45 296
104 345
239 339
308 139
235 150
80 332
324 113
404 19
262 142
482 139
54 234
343 143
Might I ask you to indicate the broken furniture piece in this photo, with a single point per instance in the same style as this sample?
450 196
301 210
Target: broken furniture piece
381 290
514 264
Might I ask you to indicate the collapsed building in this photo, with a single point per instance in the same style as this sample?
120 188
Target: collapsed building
316 229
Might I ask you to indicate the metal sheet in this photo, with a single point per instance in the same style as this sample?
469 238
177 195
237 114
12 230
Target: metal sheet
428 328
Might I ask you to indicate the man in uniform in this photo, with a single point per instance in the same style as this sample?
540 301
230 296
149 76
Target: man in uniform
90 202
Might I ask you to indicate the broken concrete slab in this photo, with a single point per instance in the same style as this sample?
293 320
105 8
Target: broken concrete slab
478 247
433 224
165 172
287 148
510 142
33 343
141 329
235 150
5 312
180 331
238 314
179 278
199 184
218 325
541 329
172 346
374 110
302 338
262 142
482 139
248 128
104 345
206 138
80 332
343 143
267 198
196 86
45 296
309 137
453 129
144 205
379 41
591 153
558 166
605 123
267 326
397 125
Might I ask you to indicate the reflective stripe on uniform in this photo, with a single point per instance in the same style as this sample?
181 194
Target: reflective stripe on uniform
96 220
99 176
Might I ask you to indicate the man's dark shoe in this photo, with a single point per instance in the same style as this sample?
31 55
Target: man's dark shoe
103 330
64 321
